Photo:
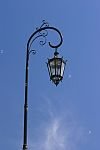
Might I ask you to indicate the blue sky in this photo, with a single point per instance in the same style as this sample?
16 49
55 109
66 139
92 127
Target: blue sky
62 117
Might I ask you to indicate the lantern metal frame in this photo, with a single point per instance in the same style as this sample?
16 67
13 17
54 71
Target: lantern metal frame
42 31
56 68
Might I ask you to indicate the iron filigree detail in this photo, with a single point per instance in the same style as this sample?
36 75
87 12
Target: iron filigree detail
42 33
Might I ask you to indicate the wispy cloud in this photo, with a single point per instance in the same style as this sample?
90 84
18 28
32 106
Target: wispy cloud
61 132
54 138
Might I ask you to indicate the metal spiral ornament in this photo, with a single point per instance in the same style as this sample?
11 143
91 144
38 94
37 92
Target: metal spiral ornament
42 32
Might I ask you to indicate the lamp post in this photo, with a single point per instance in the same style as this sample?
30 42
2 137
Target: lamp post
56 66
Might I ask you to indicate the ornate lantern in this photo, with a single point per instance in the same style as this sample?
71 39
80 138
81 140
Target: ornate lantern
56 67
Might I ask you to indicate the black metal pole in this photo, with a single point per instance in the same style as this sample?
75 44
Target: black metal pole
25 146
44 27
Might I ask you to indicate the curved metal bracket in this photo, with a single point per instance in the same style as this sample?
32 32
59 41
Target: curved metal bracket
42 31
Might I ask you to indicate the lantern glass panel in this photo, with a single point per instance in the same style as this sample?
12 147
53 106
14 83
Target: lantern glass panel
52 66
62 68
48 65
58 66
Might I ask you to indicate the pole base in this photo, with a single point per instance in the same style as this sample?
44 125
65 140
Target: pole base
25 147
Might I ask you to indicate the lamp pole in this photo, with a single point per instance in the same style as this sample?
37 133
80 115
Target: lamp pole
42 31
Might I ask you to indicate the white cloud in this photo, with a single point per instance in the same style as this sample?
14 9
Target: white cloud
54 139
1 51
61 132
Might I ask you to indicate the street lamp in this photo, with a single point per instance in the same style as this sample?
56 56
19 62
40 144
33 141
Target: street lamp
56 66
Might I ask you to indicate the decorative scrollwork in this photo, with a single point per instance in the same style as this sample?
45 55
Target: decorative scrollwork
44 24
32 51
42 31
43 41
